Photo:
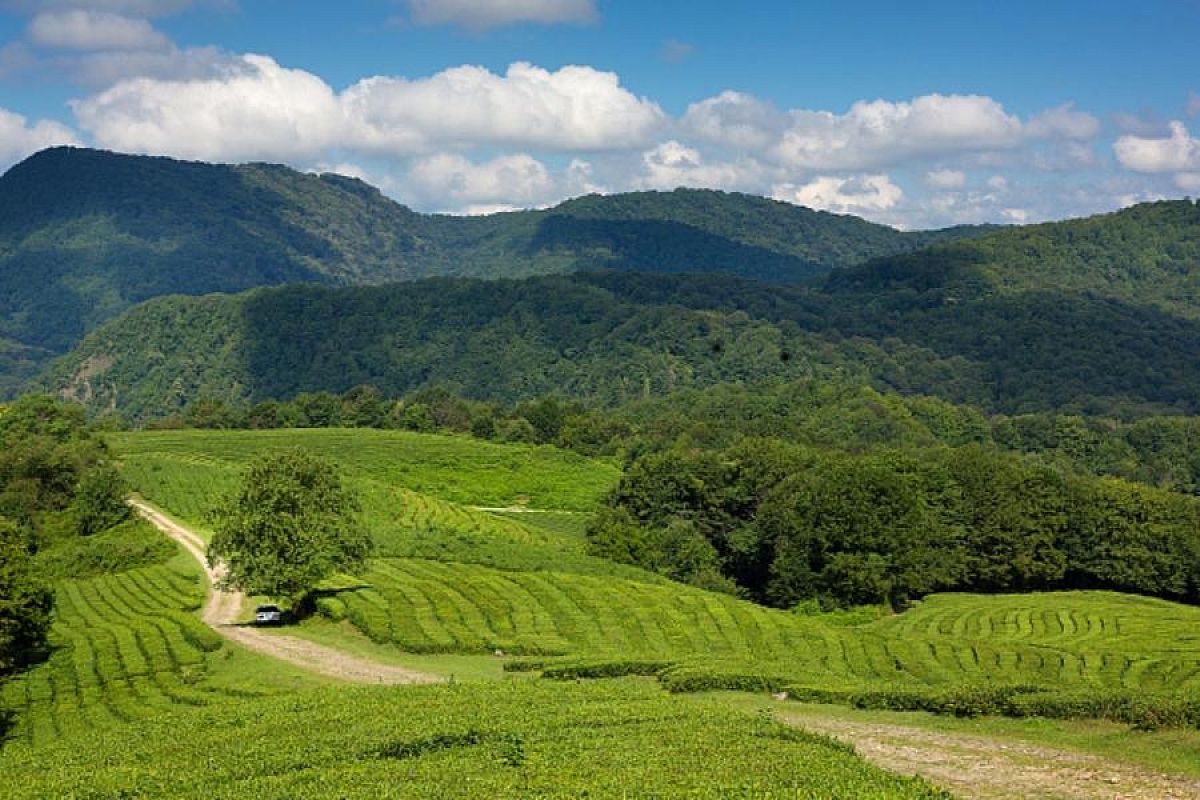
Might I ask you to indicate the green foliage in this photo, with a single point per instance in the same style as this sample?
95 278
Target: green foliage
72 221
55 482
125 646
291 524
1142 254
99 502
126 546
435 742
25 602
617 338
789 524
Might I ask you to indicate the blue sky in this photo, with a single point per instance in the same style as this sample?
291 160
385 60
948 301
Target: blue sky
917 115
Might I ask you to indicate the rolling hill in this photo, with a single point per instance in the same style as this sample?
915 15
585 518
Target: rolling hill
85 234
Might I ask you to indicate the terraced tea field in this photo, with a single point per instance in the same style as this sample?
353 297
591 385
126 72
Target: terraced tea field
1062 640
513 739
1086 639
124 647
136 695
454 579
454 468
427 606
414 501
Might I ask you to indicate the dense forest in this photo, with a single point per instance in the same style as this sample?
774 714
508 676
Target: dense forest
613 337
784 524
86 234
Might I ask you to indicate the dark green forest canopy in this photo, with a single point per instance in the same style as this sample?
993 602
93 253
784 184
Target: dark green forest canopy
1090 316
783 524
85 234
618 336
1146 255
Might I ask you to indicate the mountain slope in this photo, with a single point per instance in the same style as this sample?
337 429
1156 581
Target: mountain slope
85 234
1148 255
615 336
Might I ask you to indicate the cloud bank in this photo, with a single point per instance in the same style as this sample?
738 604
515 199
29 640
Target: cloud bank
259 109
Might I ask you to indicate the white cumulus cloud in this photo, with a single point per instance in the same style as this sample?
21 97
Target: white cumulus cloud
1063 122
672 164
256 109
80 29
481 15
736 119
884 133
879 133
1178 152
18 138
573 108
846 195
511 180
251 107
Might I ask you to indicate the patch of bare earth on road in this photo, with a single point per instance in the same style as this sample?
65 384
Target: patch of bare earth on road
986 768
222 609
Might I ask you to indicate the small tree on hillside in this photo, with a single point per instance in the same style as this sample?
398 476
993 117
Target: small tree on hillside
291 524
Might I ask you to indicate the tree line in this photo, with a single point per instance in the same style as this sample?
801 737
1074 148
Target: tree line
1161 451
784 524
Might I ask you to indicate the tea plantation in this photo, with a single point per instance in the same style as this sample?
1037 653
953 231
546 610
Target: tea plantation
139 699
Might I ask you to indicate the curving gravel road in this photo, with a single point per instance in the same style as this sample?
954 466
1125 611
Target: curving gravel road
223 607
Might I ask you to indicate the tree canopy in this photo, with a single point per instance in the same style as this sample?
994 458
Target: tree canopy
291 524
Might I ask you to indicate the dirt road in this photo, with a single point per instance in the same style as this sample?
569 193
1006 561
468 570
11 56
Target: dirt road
986 768
222 610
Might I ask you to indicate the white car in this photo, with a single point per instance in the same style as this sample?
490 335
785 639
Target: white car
268 615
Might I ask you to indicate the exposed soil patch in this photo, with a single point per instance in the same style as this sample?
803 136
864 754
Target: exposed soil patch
986 768
221 614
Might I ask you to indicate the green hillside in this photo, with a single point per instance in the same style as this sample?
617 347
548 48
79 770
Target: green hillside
1145 255
466 597
136 691
615 337
464 741
85 234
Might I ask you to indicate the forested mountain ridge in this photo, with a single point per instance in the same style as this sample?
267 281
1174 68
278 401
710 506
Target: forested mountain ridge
1147 254
1092 316
85 234
617 336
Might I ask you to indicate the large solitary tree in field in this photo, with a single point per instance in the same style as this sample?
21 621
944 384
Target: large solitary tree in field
290 525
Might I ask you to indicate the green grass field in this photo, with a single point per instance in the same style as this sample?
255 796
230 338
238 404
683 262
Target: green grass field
421 493
459 469
138 693
512 739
